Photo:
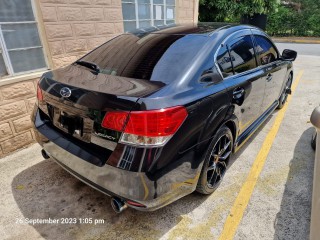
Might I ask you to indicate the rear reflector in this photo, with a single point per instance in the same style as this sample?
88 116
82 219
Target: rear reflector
147 128
39 93
115 120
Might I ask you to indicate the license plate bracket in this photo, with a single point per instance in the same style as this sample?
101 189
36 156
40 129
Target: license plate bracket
71 123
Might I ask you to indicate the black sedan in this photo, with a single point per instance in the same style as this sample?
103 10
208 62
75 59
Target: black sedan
151 116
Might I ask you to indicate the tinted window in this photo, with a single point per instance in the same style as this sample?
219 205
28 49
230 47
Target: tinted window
224 62
155 57
242 54
265 50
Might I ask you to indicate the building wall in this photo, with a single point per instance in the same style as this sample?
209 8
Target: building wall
73 27
69 29
187 11
16 103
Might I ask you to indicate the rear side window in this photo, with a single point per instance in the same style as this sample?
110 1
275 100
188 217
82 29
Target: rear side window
242 54
224 62
265 50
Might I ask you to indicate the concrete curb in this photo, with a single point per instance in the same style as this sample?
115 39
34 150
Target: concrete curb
292 40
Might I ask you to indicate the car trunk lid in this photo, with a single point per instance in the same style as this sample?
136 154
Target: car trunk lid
92 95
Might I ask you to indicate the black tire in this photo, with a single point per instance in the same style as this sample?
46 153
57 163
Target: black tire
314 141
216 161
284 94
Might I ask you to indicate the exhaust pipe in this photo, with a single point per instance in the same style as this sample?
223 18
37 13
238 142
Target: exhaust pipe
118 205
44 154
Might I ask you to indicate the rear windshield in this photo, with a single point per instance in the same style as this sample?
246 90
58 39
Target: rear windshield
155 57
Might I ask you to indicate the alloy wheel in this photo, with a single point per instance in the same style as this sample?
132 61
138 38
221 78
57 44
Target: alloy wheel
218 160
284 95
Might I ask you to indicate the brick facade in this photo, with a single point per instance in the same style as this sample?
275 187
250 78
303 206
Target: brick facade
16 103
186 11
71 29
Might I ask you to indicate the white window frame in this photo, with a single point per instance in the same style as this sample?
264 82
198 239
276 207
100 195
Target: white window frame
5 51
152 20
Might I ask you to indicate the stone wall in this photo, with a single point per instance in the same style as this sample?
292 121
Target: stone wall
73 27
186 11
16 103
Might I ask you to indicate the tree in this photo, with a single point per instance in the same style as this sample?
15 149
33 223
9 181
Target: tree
230 10
296 18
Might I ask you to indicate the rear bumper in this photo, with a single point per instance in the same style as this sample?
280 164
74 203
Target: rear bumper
113 181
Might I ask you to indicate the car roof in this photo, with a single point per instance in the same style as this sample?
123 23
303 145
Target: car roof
205 29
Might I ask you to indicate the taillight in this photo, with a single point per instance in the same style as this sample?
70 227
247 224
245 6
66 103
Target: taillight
147 128
39 93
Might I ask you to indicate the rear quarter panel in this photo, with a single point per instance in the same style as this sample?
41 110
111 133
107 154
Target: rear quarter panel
208 106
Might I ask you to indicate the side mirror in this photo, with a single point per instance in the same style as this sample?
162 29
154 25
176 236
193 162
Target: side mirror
289 55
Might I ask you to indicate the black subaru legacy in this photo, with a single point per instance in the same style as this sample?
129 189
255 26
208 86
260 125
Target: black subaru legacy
151 116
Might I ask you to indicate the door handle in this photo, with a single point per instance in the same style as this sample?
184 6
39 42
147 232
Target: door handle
269 77
238 93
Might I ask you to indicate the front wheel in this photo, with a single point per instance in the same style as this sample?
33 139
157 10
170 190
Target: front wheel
285 92
216 161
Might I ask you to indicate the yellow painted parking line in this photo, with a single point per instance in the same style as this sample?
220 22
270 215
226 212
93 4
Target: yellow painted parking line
242 200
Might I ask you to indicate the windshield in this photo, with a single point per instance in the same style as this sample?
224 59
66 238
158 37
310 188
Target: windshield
156 57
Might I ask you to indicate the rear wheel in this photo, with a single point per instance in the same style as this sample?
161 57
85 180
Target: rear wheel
314 140
284 95
216 161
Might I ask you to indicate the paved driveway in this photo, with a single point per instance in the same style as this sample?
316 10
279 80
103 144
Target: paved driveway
301 48
277 208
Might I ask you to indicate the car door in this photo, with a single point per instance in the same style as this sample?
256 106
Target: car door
273 67
244 84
